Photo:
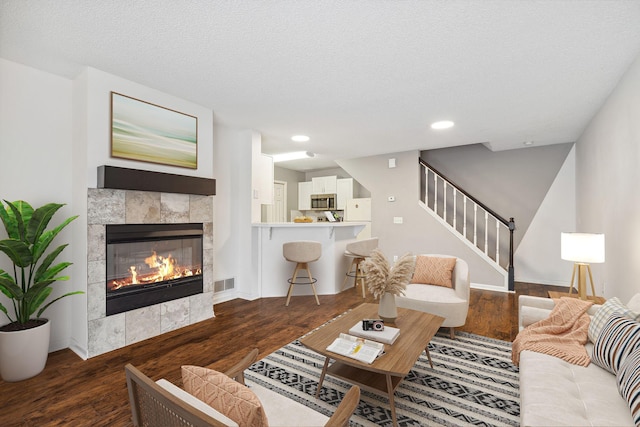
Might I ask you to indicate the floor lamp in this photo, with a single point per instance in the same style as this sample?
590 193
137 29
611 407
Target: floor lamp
583 249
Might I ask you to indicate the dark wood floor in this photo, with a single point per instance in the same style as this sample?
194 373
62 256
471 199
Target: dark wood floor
75 392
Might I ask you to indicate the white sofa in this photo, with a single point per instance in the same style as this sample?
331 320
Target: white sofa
556 393
450 303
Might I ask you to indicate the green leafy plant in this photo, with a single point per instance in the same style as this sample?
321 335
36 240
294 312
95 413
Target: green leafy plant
33 271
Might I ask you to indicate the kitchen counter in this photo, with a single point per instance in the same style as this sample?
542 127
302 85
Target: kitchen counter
271 271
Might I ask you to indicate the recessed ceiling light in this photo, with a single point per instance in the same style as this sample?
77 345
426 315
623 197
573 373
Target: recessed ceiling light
527 143
300 138
296 155
443 124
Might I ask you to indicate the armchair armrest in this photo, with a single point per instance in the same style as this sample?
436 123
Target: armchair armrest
532 309
237 371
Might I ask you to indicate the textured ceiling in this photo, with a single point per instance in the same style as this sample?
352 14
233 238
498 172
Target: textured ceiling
359 77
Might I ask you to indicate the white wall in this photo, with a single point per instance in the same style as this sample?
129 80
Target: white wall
41 123
92 138
512 183
54 133
537 258
607 195
232 236
261 178
98 105
36 153
419 233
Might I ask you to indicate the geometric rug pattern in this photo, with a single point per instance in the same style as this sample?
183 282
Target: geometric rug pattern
473 382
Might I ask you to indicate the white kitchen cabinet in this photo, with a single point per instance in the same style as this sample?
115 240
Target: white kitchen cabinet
305 189
344 192
325 184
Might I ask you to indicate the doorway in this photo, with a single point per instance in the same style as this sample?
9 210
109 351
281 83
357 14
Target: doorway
276 212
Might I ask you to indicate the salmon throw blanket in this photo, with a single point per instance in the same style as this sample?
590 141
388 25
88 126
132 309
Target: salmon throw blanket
563 334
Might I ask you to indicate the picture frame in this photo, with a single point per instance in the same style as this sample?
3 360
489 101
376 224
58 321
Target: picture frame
151 133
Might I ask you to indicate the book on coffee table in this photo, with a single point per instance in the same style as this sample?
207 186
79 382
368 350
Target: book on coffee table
356 348
388 335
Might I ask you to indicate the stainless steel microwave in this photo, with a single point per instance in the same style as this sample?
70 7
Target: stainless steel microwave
323 202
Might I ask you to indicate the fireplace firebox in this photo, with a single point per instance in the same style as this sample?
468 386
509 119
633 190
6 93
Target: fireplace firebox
152 263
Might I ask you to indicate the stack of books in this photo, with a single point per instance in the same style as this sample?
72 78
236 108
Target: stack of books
387 336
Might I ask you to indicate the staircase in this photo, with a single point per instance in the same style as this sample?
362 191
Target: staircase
484 231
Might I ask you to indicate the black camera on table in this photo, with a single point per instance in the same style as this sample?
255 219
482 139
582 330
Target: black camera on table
373 325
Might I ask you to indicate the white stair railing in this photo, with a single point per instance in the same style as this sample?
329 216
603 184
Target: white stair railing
491 232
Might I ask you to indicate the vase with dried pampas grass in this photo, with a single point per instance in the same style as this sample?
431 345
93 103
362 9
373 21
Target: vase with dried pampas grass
386 282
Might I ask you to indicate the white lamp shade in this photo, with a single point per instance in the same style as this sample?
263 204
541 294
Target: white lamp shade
582 247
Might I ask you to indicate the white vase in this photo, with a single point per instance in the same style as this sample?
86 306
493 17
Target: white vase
387 308
23 354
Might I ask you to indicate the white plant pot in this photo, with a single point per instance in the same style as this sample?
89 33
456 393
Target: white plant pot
23 354
387 309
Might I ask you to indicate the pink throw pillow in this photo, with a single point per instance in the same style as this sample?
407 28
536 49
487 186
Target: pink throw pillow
225 395
434 271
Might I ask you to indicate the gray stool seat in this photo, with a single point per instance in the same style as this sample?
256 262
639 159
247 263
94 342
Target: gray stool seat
302 253
358 251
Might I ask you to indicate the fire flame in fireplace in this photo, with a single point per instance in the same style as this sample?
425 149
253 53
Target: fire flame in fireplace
162 268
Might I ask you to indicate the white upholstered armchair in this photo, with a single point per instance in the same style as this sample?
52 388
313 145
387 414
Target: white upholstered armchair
440 285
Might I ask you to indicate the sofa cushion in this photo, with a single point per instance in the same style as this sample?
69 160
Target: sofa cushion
556 393
434 271
629 383
195 402
225 395
285 411
618 338
613 305
634 303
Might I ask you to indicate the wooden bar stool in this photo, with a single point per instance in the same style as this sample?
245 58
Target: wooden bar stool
358 251
355 271
302 253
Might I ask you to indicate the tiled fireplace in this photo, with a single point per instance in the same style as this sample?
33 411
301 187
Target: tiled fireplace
151 210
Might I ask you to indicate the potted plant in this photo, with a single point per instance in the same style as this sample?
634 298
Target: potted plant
386 282
24 341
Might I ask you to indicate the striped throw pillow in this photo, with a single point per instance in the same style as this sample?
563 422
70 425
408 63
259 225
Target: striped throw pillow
611 306
628 379
619 337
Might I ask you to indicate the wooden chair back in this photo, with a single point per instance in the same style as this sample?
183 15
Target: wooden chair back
341 416
153 406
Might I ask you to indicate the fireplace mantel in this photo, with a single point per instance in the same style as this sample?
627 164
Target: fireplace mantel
135 179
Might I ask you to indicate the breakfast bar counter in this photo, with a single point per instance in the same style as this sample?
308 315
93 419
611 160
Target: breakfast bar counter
271 271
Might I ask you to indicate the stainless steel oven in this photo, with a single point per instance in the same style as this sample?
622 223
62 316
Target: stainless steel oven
323 202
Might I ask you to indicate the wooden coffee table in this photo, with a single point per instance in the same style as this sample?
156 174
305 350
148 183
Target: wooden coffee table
386 372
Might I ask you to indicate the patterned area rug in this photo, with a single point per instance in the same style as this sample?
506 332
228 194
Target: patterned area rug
473 382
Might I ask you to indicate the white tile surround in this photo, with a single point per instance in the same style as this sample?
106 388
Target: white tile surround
108 206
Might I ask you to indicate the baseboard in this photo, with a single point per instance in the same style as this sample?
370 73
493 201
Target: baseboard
78 349
486 287
549 282
220 297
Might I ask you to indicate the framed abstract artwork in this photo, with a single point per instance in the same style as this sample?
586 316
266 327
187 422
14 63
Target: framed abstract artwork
151 133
